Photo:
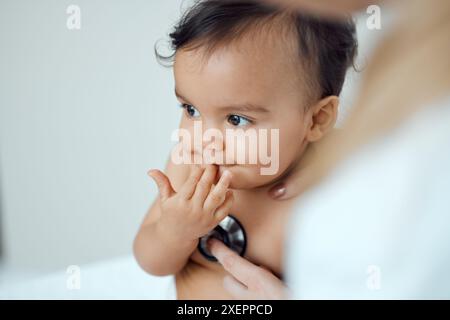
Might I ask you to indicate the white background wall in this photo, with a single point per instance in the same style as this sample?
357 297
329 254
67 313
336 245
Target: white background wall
83 115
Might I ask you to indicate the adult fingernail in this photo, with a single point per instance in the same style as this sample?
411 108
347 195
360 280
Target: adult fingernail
210 241
278 191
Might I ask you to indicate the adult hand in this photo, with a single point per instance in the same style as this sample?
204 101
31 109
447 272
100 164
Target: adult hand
247 280
331 8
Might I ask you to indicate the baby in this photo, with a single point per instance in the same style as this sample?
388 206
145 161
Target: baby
248 66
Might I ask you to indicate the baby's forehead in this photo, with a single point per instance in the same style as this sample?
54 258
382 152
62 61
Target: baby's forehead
237 74
253 57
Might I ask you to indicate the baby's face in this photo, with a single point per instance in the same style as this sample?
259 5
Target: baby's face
244 87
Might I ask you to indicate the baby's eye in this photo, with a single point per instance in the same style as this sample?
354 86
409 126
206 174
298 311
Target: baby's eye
191 111
238 121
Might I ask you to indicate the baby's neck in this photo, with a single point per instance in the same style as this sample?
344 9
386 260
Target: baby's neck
296 165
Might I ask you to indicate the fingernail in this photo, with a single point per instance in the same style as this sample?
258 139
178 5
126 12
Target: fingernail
209 242
278 191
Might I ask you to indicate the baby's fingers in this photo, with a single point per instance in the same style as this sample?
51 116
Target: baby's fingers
217 194
224 208
204 185
188 188
163 183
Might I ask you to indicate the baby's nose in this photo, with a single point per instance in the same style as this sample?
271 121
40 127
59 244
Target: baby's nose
212 142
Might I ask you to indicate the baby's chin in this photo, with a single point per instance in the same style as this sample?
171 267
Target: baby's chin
247 177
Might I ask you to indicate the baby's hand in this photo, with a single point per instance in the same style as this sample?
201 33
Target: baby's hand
198 207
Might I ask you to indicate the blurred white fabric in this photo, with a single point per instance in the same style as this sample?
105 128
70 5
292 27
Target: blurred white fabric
379 227
119 278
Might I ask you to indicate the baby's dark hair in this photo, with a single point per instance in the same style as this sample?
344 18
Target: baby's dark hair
326 48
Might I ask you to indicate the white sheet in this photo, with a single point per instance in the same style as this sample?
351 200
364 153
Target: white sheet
119 278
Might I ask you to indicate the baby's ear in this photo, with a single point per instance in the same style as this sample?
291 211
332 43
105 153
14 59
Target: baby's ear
323 118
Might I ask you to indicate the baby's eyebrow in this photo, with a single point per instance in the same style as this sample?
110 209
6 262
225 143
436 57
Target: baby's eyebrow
245 107
236 107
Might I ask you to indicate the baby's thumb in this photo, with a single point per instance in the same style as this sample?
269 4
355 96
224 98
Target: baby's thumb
163 183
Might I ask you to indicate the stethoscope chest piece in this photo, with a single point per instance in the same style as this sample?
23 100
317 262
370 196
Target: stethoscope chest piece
230 232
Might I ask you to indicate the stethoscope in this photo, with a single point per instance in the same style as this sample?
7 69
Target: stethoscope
231 232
